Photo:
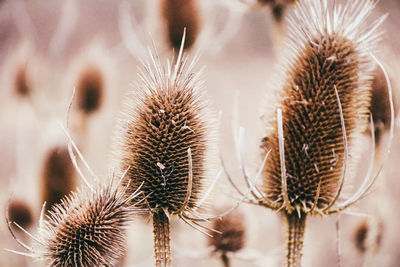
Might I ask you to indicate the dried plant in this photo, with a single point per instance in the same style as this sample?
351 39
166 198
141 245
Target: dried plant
278 7
231 236
321 110
90 90
178 15
86 229
368 235
20 212
166 143
58 176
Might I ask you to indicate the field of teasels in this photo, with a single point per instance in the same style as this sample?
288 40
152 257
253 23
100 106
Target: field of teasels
137 142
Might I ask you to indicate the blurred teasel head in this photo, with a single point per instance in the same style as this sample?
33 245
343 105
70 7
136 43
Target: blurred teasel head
167 143
20 212
86 229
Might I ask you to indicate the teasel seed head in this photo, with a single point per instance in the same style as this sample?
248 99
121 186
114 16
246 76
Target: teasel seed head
380 106
326 84
368 235
278 7
178 15
20 212
22 84
90 89
232 236
58 176
86 229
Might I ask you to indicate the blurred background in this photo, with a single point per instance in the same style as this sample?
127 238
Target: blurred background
48 47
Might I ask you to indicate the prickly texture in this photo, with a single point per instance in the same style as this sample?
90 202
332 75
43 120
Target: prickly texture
180 14
162 246
323 58
90 90
20 212
380 106
87 229
168 119
294 240
233 233
58 176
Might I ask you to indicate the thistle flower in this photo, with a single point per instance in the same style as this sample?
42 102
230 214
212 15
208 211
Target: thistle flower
178 15
166 143
322 108
58 176
86 229
20 212
231 236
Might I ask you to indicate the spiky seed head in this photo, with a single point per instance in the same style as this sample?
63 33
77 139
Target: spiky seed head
233 233
20 212
380 106
86 229
368 236
58 176
327 53
165 118
90 89
178 15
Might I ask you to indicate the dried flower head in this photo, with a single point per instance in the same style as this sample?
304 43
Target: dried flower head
20 212
90 89
178 15
232 233
58 176
368 235
86 229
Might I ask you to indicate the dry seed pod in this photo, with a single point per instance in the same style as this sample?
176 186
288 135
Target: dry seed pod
231 237
20 212
178 15
167 140
86 229
90 89
58 176
322 108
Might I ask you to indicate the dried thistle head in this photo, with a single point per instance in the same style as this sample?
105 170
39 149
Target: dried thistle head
90 89
86 229
368 235
232 234
58 176
380 105
178 15
324 100
20 212
167 137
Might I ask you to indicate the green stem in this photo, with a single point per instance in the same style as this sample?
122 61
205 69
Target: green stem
295 237
162 248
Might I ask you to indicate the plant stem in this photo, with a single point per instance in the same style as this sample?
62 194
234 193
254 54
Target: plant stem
294 239
162 248
225 260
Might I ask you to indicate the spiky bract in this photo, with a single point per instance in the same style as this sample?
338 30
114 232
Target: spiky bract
168 119
86 229
178 15
90 89
328 53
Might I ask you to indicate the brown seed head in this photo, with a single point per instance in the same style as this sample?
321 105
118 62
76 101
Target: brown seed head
361 237
169 118
326 57
233 234
90 89
22 86
58 176
180 14
20 212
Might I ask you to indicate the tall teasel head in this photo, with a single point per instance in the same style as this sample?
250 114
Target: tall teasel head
86 229
167 144
178 15
58 177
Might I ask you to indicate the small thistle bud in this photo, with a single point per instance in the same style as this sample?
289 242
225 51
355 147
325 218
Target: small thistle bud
166 145
89 90
86 229
20 212
322 107
178 15
231 235
380 107
58 176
